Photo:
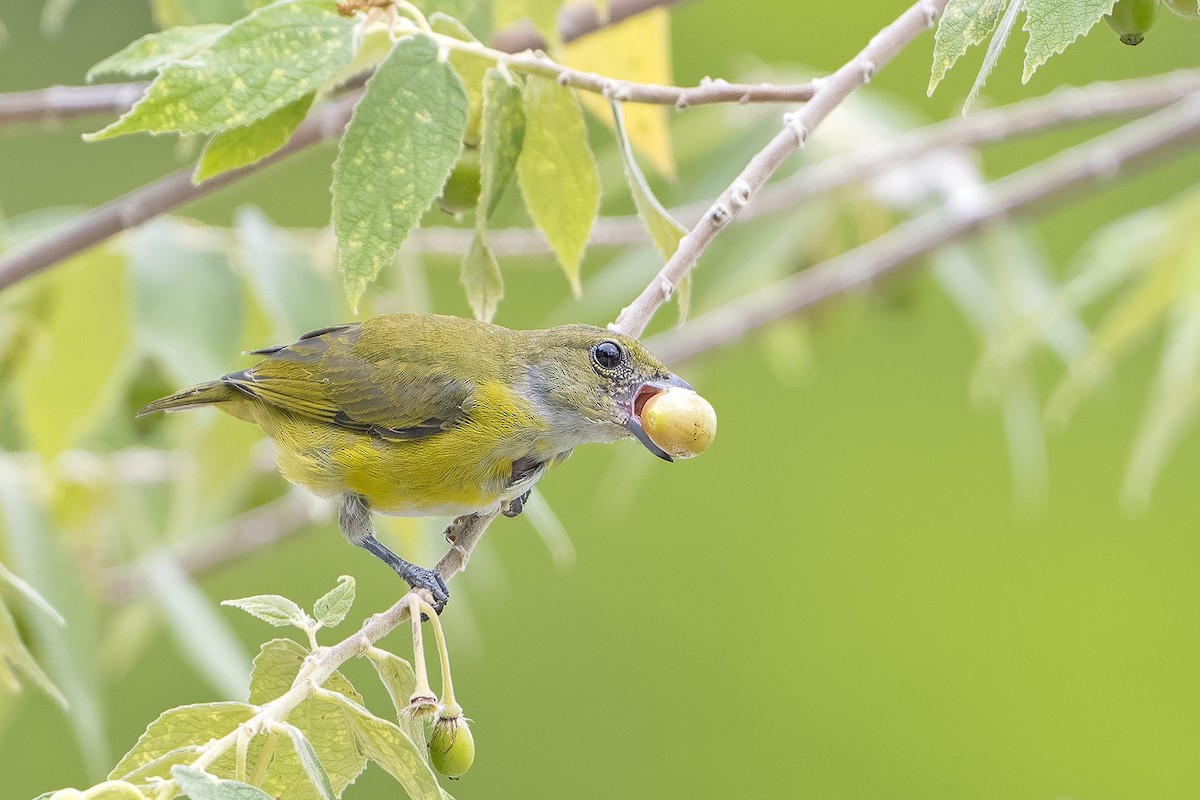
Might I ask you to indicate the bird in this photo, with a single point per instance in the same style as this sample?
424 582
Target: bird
433 415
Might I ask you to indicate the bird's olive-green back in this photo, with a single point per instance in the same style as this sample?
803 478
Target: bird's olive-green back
412 375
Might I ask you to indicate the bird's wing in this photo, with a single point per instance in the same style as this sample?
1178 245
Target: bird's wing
387 386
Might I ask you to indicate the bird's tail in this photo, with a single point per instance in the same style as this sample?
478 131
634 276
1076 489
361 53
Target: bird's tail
202 395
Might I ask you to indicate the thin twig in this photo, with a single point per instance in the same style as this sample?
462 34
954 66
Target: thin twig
58 103
1096 161
830 93
1065 106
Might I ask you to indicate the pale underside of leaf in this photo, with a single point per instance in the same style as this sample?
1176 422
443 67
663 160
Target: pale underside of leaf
332 608
1054 24
964 24
557 172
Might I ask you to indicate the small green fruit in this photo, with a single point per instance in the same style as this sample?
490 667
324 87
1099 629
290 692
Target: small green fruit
461 191
1130 19
451 746
1184 8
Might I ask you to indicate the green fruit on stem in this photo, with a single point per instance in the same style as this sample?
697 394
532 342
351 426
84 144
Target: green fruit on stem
451 746
1130 19
1184 8
462 187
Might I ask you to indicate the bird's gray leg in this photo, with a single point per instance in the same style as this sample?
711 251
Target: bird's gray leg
354 517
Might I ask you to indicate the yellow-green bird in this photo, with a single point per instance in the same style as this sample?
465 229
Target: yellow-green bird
425 415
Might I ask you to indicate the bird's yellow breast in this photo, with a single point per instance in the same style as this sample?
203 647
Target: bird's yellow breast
466 468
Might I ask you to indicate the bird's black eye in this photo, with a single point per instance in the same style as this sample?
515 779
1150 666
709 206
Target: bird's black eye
607 355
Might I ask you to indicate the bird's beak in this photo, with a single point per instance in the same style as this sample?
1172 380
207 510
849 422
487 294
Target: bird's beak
633 411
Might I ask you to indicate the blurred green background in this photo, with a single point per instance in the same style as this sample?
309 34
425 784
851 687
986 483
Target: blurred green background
841 599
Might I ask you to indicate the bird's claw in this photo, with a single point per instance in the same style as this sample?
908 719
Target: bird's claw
433 584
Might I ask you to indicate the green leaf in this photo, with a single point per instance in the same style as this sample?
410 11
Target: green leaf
1054 24
273 608
288 287
557 172
542 13
480 276
36 549
26 590
400 146
470 67
154 51
502 137
251 143
160 767
180 728
199 785
65 388
964 24
332 608
322 721
14 652
109 790
398 678
187 302
310 763
384 743
273 57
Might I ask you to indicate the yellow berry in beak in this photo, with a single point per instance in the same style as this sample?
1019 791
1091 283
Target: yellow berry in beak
679 421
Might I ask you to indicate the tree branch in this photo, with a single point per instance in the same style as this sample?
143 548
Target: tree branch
1096 161
830 93
58 103
1064 106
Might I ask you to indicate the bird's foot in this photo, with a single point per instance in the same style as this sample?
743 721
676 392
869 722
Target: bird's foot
515 506
430 581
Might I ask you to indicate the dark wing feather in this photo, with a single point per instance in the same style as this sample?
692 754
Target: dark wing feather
379 382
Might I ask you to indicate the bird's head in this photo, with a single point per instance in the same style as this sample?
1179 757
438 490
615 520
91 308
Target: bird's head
591 384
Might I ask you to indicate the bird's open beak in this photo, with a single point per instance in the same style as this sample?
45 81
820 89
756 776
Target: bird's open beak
633 420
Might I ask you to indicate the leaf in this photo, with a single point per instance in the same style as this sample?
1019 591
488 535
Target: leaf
400 146
332 608
557 172
109 790
203 636
273 57
310 763
74 375
398 678
26 590
273 608
480 276
251 143
187 303
664 229
322 721
384 743
542 13
13 652
159 767
154 51
470 67
288 287
199 785
1054 24
637 49
995 47
964 24
180 728
35 547
502 138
